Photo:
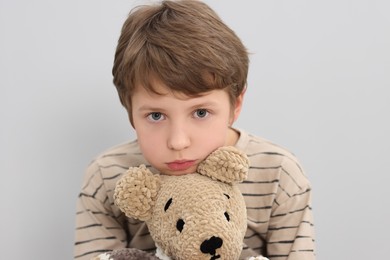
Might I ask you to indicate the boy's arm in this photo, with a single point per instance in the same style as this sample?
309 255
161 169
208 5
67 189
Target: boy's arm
97 228
291 230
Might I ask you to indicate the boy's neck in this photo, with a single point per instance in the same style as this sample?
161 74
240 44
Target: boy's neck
232 137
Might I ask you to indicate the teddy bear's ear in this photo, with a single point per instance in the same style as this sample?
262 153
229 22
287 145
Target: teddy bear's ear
135 193
226 164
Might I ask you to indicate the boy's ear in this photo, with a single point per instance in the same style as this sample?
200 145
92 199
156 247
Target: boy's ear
237 106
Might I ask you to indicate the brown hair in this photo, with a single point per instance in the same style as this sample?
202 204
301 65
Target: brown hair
185 45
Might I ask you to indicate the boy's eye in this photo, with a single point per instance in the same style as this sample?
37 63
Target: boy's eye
201 113
156 116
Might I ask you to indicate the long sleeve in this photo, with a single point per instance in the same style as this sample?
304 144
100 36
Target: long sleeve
98 229
278 198
290 234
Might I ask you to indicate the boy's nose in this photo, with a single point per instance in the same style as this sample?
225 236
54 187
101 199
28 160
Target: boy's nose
178 138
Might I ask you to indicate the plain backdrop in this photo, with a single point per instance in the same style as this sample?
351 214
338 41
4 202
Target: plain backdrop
318 84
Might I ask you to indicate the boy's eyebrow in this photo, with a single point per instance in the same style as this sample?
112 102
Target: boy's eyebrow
149 108
204 104
195 106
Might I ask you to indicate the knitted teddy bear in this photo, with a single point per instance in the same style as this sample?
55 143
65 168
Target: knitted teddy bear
194 216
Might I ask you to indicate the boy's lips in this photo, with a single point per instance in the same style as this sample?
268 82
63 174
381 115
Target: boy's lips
180 165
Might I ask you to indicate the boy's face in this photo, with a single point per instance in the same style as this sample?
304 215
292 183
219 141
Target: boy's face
176 132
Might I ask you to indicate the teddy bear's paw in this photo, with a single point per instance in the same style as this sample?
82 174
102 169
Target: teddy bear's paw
257 258
104 256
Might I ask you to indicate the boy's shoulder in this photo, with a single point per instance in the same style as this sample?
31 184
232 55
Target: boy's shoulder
107 168
265 153
275 160
255 145
126 148
122 155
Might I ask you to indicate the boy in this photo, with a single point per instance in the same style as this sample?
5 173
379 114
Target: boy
181 74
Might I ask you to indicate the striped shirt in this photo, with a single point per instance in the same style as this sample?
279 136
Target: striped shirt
277 195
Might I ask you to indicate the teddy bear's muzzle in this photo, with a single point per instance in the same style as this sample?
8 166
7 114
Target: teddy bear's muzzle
209 246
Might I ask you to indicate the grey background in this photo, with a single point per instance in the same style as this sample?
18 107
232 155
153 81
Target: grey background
318 85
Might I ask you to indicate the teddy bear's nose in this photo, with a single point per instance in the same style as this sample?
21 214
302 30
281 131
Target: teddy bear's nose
210 245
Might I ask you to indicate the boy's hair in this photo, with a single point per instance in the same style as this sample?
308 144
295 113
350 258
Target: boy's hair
183 44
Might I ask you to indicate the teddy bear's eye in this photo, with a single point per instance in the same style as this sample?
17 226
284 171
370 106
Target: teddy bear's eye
180 224
227 216
168 204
